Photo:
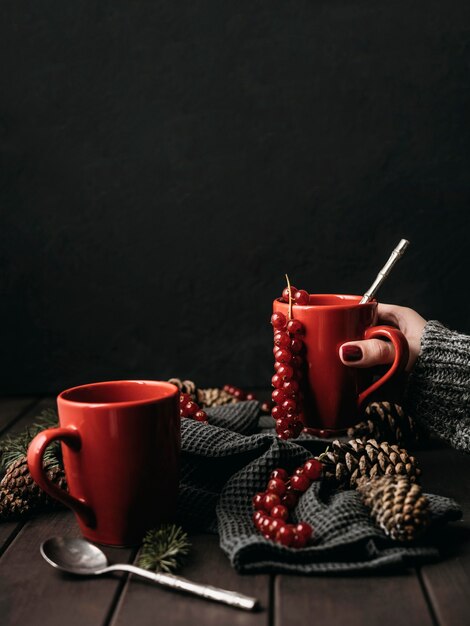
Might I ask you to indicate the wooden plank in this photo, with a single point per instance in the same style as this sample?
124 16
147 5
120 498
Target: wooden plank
7 532
30 415
447 472
11 408
145 604
34 593
372 600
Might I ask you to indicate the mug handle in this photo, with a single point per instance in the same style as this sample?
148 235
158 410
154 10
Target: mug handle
37 447
402 353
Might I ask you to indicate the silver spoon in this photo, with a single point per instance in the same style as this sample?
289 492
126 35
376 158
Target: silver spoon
77 556
397 253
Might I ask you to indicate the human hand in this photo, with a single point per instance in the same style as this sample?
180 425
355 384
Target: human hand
370 352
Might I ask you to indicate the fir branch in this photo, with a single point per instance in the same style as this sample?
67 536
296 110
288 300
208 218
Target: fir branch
164 548
13 447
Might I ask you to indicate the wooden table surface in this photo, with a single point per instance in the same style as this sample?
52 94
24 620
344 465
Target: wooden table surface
32 592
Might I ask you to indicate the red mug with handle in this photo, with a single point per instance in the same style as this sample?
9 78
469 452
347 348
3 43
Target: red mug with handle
333 394
120 444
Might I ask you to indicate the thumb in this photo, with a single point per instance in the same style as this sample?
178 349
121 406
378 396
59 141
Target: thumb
367 353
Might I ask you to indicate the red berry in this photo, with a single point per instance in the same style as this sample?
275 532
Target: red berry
250 396
290 500
276 381
281 424
301 297
313 469
291 387
277 365
191 407
258 500
285 535
265 524
200 416
296 345
239 394
275 526
299 471
285 372
285 293
259 520
278 320
304 529
300 482
280 473
282 339
280 512
257 515
270 500
295 327
266 407
276 485
285 434
290 406
278 395
299 541
283 356
278 412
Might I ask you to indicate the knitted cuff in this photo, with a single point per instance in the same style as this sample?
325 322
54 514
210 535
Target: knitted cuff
438 389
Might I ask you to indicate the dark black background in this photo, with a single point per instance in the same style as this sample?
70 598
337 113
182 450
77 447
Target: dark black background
162 164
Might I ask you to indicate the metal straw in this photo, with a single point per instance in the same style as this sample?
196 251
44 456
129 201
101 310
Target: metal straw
385 271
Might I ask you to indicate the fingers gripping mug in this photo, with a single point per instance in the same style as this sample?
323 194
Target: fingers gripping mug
120 444
333 392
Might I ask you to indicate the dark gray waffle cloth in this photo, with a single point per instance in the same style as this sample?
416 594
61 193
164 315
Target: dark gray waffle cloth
225 463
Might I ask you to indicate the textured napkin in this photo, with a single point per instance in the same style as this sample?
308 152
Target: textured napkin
225 463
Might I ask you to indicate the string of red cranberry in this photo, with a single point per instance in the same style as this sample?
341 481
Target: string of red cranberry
241 395
288 363
273 506
190 408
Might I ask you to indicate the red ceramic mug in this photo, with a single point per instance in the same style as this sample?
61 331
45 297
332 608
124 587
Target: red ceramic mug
333 392
120 444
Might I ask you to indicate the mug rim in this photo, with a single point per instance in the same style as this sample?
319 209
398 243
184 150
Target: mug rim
171 390
352 303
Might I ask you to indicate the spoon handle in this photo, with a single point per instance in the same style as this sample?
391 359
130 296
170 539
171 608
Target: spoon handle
177 583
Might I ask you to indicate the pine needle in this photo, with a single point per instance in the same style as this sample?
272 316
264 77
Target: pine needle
164 548
13 447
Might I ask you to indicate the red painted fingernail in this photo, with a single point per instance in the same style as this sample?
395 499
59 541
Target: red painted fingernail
352 353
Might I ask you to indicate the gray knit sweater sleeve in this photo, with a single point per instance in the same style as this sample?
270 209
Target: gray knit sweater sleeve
438 390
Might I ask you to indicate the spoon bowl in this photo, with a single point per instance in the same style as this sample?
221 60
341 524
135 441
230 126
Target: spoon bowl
75 556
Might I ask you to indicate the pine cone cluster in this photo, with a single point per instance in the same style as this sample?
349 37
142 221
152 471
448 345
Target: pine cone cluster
396 504
21 496
385 421
346 462
213 396
185 386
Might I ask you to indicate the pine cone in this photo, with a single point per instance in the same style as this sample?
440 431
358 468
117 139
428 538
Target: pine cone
345 463
185 386
397 505
213 396
385 421
20 495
